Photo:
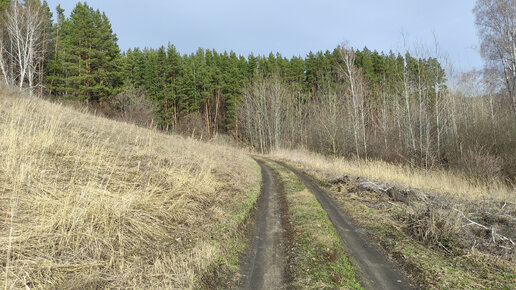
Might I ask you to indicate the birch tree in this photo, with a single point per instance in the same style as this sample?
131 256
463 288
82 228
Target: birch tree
4 57
328 113
356 90
4 44
496 23
264 110
23 45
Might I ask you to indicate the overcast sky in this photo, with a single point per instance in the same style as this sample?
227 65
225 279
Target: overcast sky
294 27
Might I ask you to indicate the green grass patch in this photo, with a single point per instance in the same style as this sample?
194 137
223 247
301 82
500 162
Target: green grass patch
316 257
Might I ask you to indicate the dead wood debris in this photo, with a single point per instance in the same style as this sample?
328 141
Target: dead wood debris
486 225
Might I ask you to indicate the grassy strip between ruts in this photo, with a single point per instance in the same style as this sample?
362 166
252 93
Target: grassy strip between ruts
316 257
431 266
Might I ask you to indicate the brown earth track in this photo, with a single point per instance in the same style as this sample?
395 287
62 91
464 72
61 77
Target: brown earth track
374 269
266 266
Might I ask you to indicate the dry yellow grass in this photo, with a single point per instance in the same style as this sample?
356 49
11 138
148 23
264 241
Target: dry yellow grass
87 202
439 181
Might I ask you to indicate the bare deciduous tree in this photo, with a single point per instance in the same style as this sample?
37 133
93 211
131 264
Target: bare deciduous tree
21 47
328 113
356 89
496 22
4 56
264 109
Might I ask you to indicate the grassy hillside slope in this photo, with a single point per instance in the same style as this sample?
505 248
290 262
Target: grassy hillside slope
87 202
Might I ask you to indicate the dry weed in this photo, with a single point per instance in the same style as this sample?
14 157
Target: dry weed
438 181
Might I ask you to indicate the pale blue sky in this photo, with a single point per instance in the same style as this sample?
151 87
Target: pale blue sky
294 27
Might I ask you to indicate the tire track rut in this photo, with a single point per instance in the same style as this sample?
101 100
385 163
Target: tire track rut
267 258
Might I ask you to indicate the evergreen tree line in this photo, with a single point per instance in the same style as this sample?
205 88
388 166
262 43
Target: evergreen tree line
344 102
213 84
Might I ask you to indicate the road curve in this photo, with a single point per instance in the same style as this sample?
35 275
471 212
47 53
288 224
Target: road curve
267 261
374 269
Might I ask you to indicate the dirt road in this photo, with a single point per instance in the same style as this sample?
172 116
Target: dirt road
375 270
267 260
266 255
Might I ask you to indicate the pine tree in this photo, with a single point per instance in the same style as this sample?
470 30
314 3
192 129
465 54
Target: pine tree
233 92
47 47
87 63
55 81
139 68
187 94
160 84
311 73
174 70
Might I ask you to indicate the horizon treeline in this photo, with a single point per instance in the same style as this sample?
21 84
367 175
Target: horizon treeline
210 86
343 102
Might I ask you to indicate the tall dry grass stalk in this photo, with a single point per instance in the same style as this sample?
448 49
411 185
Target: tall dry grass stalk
439 181
87 202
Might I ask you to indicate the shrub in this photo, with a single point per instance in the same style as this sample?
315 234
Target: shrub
481 165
